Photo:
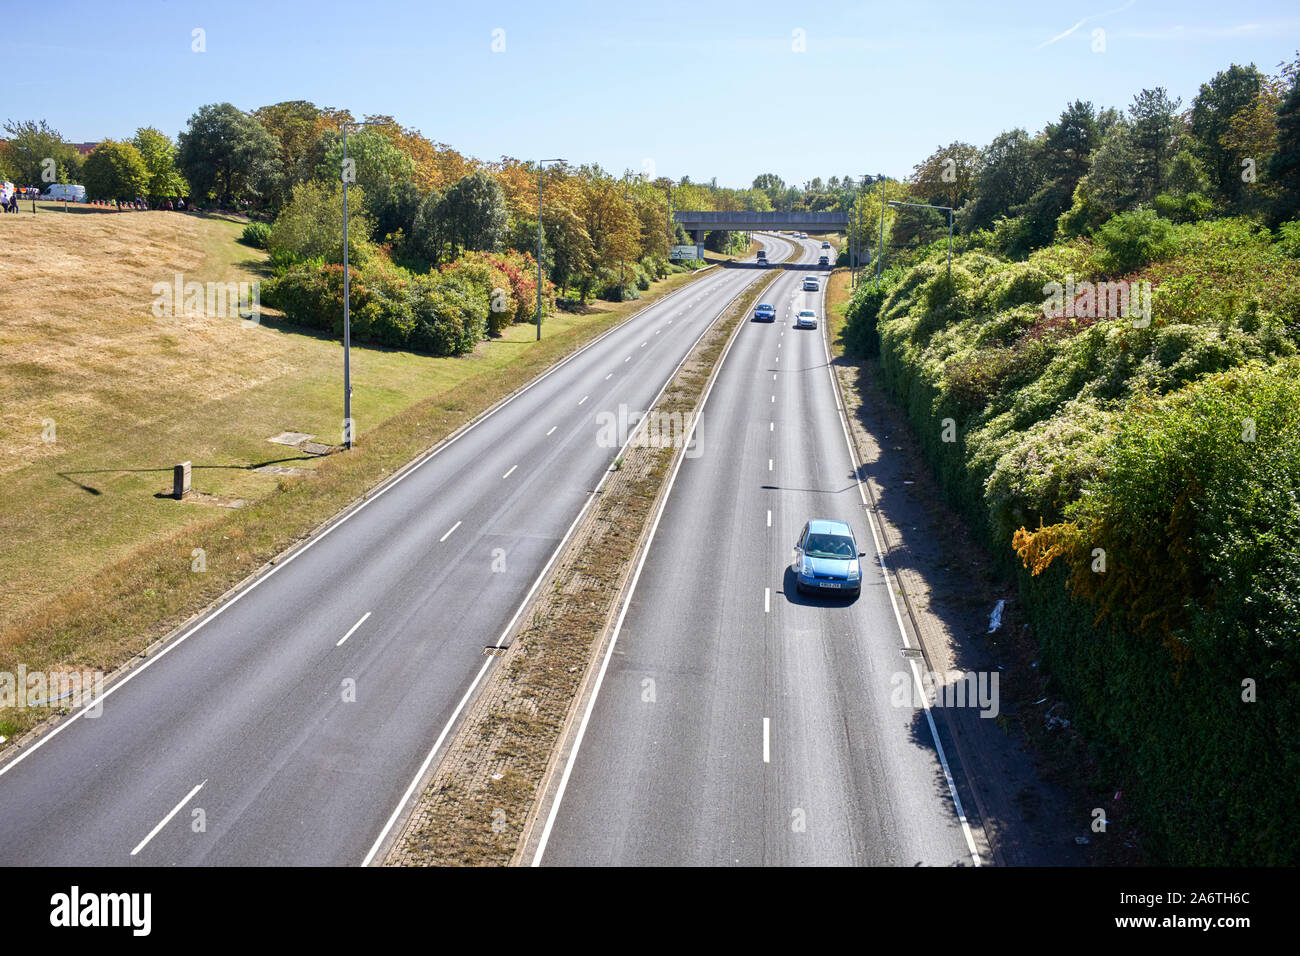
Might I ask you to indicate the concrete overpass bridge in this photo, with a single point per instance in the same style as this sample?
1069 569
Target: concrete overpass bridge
698 223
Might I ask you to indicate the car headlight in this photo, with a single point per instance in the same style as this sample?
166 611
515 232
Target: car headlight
807 567
854 573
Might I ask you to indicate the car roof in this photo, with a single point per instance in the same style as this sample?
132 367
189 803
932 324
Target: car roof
807 312
765 305
829 526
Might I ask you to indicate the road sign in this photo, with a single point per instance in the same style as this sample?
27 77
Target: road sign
686 252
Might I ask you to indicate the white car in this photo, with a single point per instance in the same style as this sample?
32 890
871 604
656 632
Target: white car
806 319
810 284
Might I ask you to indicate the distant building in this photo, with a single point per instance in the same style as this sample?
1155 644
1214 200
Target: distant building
83 148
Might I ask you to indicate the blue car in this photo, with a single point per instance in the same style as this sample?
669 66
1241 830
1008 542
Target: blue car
764 312
826 559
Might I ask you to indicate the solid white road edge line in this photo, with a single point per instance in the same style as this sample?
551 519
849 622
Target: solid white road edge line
898 618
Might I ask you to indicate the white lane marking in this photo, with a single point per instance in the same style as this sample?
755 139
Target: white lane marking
767 740
553 427
448 534
167 819
367 614
657 331
584 398
767 600
628 359
898 619
778 358
644 344
774 398
771 426
609 376
510 472
774 376
670 321
769 518
769 464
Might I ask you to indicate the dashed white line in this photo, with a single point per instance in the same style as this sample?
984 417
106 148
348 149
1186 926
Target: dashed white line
769 464
767 740
769 518
367 614
167 819
628 359
510 472
448 534
771 426
774 398
584 398
767 600
553 427
609 376
645 343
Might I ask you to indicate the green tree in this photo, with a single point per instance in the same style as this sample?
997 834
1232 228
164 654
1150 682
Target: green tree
386 173
473 212
1284 167
115 170
162 179
37 155
1155 127
1212 111
228 155
297 126
1009 173
310 226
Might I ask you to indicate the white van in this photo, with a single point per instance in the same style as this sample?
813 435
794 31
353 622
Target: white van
61 191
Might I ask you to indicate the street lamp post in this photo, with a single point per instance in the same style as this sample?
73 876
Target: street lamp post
920 205
348 428
540 166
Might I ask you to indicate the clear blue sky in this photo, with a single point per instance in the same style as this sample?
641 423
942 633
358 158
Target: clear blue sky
703 89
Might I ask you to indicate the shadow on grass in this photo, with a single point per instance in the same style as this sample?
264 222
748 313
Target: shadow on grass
91 490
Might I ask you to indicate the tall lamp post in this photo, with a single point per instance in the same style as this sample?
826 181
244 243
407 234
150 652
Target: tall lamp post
920 205
348 428
540 166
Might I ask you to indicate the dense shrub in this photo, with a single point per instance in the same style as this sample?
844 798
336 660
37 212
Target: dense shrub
1131 240
437 314
1134 440
256 234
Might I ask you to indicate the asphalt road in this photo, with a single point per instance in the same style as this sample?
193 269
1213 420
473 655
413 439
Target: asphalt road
288 725
738 722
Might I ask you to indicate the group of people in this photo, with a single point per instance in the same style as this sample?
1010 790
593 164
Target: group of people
8 197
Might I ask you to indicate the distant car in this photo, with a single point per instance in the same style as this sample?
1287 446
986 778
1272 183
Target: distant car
764 312
823 261
802 235
806 319
825 244
810 284
826 559
761 257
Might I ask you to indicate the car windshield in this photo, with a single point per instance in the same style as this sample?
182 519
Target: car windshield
830 546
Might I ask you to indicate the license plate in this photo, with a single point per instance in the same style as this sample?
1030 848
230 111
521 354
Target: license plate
827 584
